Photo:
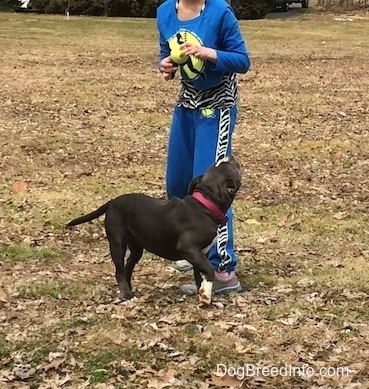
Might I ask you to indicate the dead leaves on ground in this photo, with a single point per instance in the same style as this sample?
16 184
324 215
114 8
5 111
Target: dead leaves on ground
20 186
4 298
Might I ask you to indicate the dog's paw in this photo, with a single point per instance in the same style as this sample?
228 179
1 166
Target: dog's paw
205 291
203 298
129 303
126 295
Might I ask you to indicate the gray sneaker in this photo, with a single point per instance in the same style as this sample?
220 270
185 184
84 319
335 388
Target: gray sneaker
221 285
182 265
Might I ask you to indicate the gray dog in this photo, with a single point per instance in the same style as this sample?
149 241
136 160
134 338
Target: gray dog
175 229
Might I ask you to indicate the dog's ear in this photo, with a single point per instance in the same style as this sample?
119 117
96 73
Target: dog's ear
194 184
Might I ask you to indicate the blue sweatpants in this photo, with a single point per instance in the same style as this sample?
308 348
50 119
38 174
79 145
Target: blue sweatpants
198 138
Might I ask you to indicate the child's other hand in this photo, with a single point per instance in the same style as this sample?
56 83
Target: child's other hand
167 68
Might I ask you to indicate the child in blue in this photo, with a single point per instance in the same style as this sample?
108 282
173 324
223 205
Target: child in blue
212 52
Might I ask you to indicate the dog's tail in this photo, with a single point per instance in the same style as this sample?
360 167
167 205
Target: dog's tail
91 216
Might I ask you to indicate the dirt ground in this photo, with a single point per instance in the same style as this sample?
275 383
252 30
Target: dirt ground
84 117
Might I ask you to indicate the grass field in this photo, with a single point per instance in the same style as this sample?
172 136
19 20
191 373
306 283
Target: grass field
84 117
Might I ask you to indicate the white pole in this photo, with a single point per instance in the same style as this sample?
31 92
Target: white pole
67 10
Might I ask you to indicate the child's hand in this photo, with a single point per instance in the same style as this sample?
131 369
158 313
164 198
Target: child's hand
200 52
167 68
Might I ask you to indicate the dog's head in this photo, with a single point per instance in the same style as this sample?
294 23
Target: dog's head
220 182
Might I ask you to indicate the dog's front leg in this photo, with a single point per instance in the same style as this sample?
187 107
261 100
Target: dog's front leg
198 277
204 275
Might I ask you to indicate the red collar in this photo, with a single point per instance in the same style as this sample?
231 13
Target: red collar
211 207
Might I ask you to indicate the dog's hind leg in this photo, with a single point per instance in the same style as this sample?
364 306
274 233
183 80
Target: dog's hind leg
117 237
135 255
118 251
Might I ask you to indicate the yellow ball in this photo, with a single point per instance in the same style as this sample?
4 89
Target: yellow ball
175 55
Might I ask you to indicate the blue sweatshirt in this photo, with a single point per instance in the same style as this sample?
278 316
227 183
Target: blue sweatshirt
215 27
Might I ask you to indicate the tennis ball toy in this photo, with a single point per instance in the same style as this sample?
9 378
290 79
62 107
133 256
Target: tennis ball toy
176 57
197 63
194 67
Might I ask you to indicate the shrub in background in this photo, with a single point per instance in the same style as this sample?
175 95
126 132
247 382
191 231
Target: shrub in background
9 5
244 9
252 9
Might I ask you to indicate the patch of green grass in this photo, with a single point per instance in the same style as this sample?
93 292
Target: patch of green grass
97 365
257 281
4 346
191 330
73 323
100 375
53 289
106 363
341 316
35 350
338 314
210 355
21 253
39 351
353 276
54 27
343 312
275 311
300 229
361 313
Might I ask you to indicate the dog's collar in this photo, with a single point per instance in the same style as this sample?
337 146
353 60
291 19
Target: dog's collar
211 207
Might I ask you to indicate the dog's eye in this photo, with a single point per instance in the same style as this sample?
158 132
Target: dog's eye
230 183
231 186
